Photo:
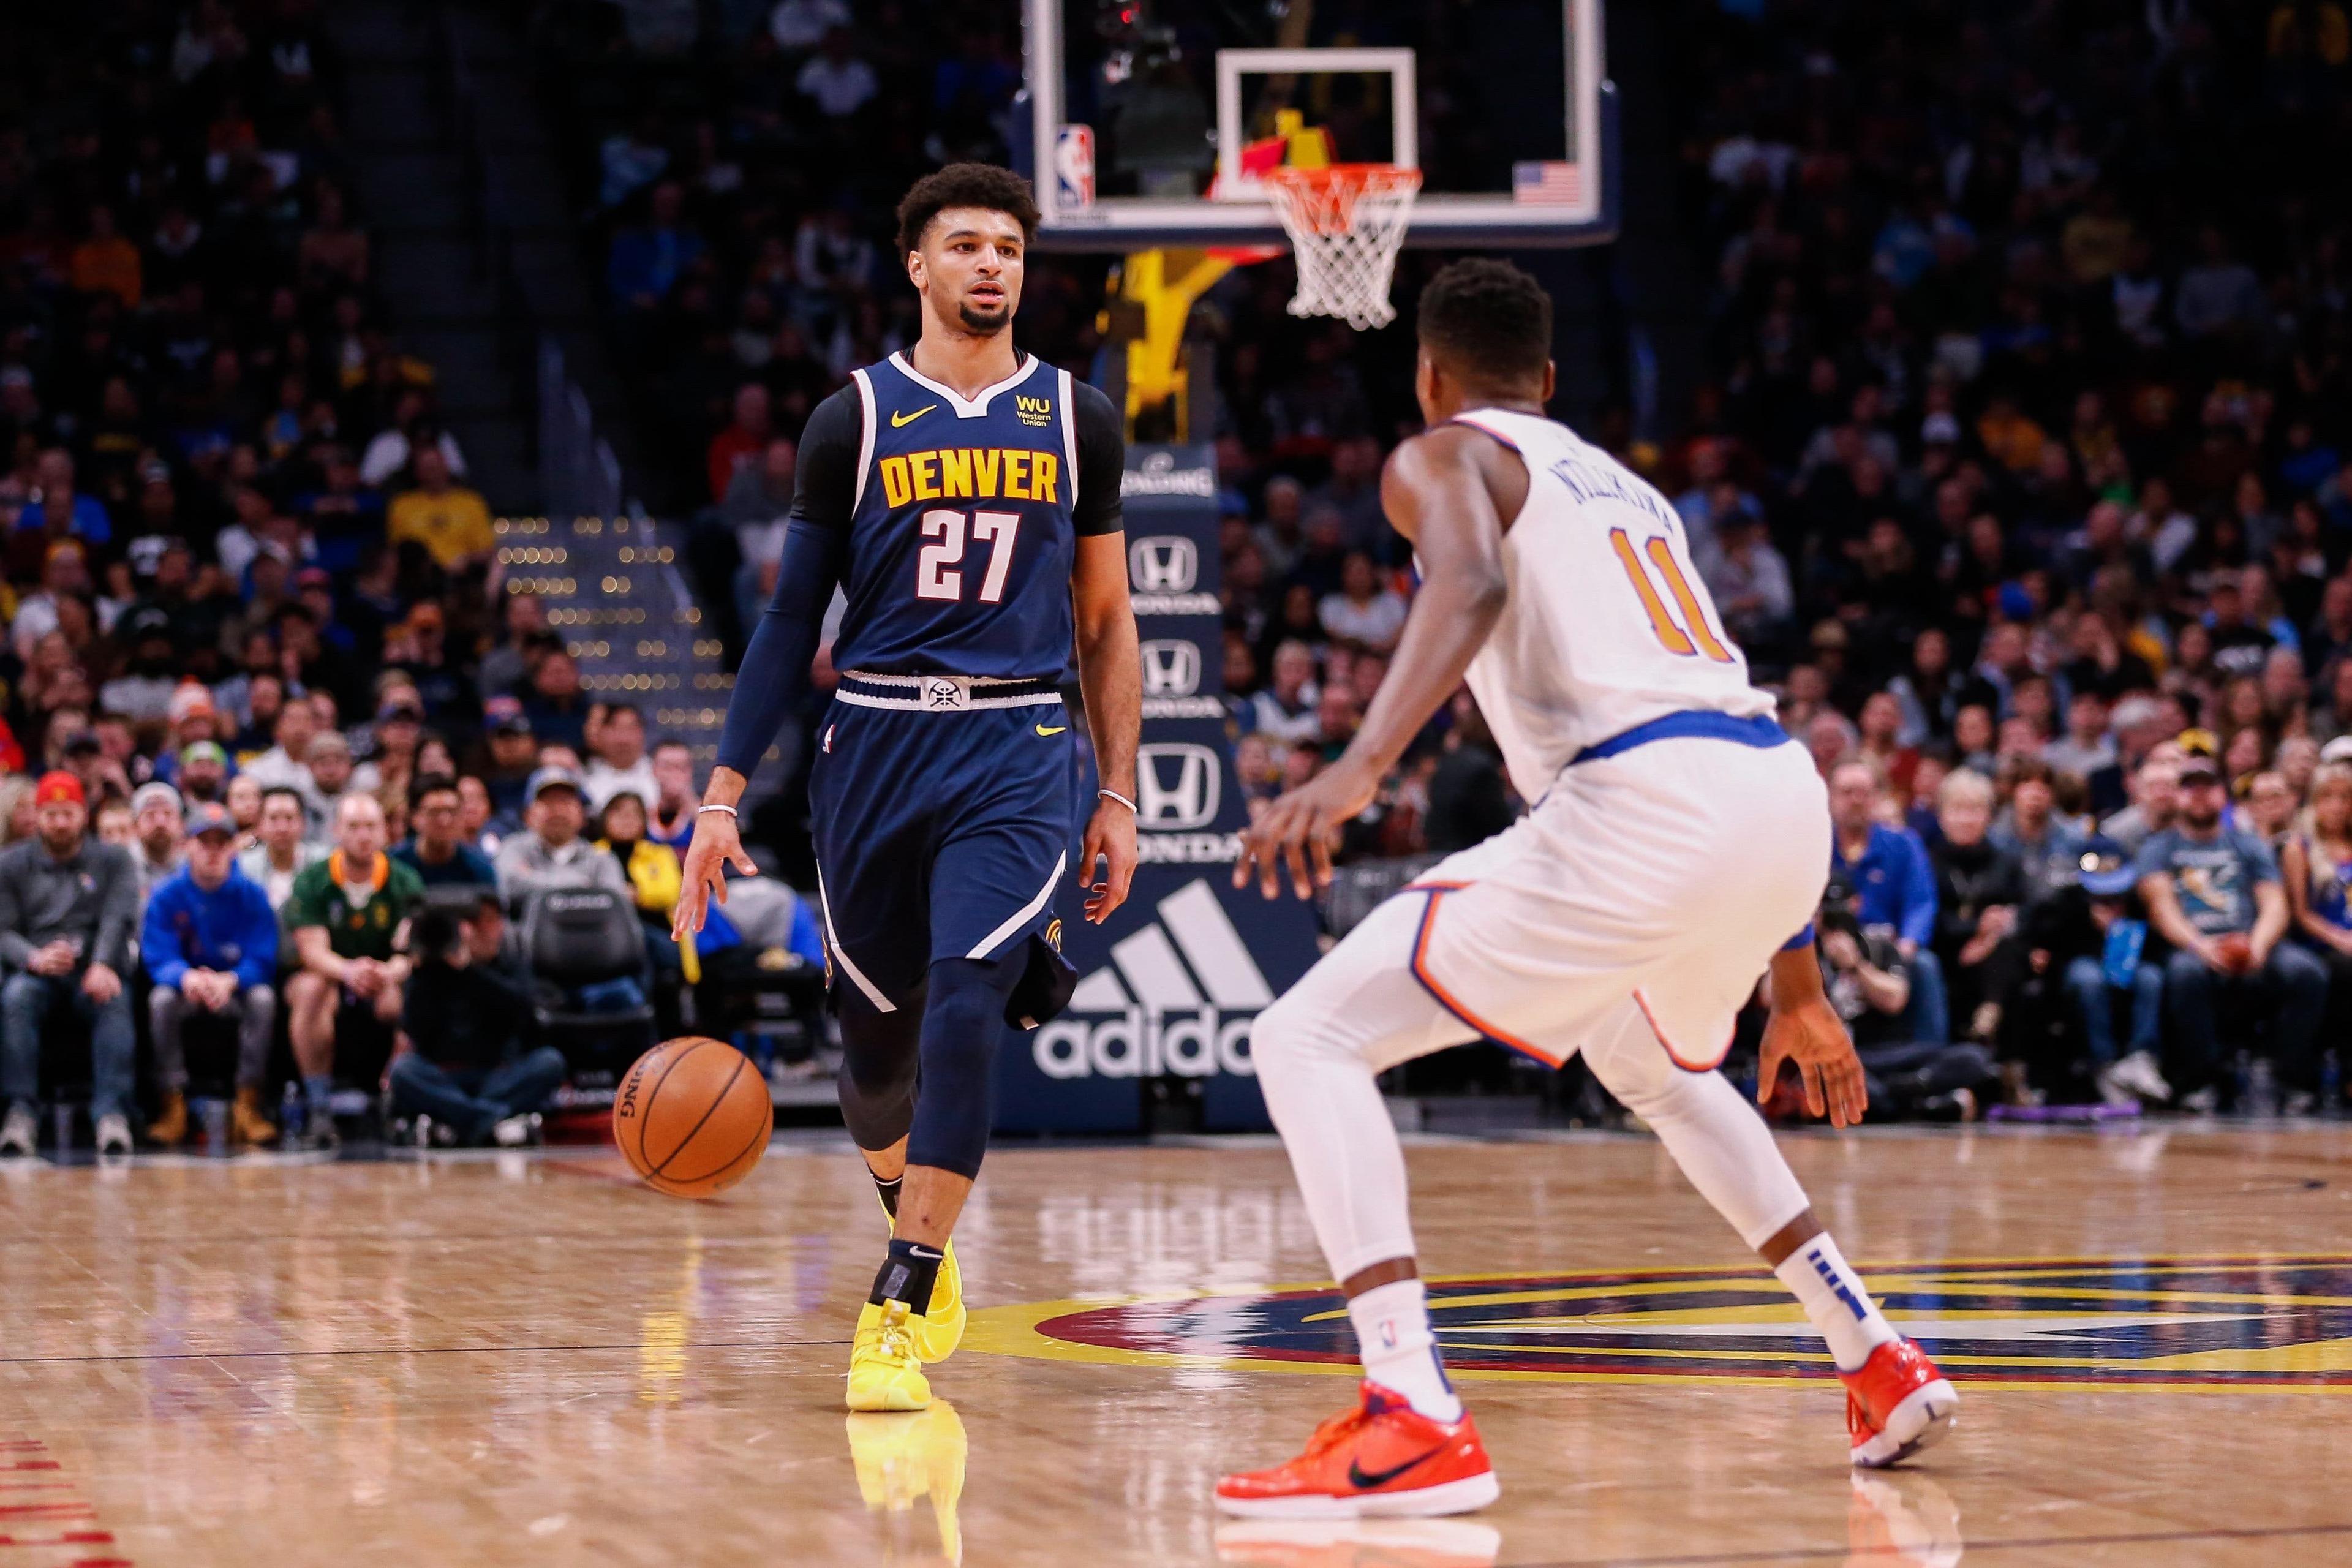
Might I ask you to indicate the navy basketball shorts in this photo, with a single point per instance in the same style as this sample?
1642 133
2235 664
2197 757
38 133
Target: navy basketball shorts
942 835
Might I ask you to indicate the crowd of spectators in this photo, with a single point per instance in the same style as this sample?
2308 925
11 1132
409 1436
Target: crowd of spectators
372 918
2017 473
736 165
2015 469
264 706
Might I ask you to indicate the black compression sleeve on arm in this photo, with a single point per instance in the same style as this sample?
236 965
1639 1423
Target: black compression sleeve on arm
775 679
1102 462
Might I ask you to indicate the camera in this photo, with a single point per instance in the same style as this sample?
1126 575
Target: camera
1838 910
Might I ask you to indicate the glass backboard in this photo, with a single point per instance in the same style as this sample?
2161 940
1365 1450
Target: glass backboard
1150 119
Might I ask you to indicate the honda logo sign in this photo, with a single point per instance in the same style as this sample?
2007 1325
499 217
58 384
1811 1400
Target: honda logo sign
1163 564
1178 787
1171 668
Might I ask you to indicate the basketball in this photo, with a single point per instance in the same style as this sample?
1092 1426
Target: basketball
693 1117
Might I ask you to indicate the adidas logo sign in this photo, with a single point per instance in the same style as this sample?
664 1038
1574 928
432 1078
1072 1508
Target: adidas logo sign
1167 1002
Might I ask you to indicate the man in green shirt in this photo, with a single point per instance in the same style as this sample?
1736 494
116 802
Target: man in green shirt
349 915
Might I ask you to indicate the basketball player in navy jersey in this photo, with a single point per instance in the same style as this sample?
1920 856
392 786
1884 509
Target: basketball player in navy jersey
964 496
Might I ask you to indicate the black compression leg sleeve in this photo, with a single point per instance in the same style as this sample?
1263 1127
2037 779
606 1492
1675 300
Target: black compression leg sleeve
962 1021
878 1058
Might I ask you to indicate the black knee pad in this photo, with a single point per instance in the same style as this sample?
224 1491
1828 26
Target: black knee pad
963 1018
879 1056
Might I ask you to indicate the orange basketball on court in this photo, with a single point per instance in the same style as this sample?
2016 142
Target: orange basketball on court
693 1117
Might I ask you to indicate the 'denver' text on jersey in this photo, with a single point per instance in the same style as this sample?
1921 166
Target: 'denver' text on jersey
959 517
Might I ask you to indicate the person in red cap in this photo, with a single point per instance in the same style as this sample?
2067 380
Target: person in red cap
68 906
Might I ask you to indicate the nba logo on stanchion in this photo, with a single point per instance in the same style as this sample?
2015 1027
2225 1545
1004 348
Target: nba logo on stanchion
1074 166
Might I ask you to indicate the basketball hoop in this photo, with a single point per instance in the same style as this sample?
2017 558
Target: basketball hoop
1346 222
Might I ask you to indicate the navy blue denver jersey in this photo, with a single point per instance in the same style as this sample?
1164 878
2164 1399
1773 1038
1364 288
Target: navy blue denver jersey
960 516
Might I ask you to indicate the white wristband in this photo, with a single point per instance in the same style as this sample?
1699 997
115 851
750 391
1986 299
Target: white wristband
727 809
1114 794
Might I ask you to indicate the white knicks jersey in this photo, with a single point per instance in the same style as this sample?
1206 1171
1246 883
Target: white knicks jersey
1607 625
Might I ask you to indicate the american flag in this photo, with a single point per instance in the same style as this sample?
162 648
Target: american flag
1546 184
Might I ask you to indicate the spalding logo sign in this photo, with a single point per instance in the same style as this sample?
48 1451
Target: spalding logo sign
1160 476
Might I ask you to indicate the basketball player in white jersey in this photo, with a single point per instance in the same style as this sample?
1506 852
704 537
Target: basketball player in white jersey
1677 848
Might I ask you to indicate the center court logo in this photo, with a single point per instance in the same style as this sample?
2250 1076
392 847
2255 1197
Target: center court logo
2117 1323
1177 996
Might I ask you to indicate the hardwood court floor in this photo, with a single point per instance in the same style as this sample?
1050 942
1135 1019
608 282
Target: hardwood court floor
525 1360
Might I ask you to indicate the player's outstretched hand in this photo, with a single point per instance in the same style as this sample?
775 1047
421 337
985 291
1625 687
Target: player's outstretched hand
717 846
1812 1036
1109 840
1302 826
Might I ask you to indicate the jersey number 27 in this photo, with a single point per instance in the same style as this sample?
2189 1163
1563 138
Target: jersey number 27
946 531
1701 638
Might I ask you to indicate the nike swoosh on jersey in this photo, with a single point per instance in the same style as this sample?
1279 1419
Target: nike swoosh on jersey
897 420
1356 1476
1055 730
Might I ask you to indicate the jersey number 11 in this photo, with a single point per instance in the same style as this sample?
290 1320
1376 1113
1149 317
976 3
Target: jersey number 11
1663 622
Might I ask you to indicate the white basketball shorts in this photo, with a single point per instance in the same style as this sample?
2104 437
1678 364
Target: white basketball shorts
1670 874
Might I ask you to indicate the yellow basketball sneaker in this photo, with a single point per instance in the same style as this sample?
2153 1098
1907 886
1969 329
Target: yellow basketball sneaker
940 1328
903 1459
885 1373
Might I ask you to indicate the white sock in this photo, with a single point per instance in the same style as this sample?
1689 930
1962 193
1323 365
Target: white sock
1836 1298
1400 1351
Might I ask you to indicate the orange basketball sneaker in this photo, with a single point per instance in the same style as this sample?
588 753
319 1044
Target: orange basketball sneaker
1384 1457
1896 1404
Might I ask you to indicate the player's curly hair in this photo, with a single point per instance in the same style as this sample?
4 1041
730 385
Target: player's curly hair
1487 317
964 185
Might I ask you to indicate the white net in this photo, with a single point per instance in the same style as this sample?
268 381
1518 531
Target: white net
1346 224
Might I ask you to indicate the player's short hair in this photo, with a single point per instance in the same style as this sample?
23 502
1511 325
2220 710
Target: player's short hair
964 185
1489 318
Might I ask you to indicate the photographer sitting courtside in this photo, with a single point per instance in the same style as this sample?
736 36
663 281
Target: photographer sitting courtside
1894 886
67 907
1864 972
464 1015
209 940
346 914
1869 981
